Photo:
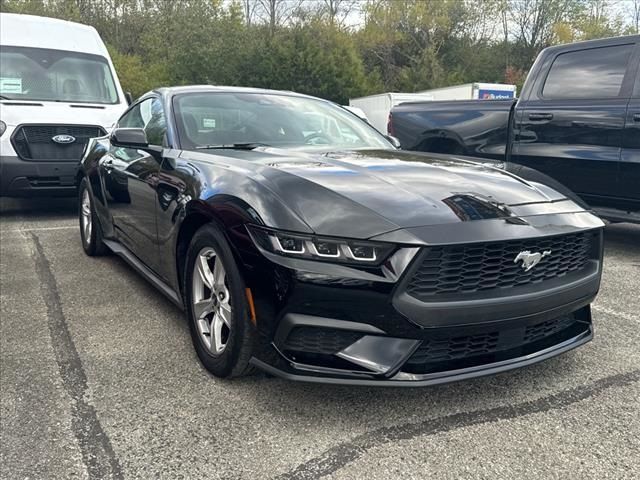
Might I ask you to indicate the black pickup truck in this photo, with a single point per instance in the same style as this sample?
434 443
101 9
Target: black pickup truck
577 121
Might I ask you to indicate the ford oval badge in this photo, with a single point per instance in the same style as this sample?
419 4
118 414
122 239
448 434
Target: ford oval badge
64 139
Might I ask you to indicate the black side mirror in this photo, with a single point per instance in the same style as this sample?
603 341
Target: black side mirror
129 137
128 98
394 141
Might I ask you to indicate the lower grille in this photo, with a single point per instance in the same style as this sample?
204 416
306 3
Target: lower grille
457 270
320 340
35 142
487 347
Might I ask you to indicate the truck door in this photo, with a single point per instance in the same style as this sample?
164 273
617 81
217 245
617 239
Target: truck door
629 187
570 127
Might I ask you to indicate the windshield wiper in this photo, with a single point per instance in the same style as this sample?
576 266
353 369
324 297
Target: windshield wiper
233 146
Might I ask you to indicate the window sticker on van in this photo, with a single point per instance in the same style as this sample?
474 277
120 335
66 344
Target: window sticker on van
209 123
10 85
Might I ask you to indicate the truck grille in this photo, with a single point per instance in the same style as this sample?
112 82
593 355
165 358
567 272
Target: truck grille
463 269
35 142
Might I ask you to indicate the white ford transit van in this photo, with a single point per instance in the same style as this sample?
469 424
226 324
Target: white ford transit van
58 88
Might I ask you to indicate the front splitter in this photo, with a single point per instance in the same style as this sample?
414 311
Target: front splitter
402 379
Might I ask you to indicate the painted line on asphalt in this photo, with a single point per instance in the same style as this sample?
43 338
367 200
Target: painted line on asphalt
98 455
39 229
615 313
345 453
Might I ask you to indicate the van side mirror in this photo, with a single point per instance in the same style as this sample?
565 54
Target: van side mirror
128 98
394 141
129 137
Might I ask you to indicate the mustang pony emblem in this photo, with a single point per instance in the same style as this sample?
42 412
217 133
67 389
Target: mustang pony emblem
530 260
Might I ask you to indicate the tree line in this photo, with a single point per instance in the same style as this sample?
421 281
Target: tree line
335 49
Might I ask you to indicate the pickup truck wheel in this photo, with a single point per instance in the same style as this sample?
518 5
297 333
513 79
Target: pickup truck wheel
222 334
90 230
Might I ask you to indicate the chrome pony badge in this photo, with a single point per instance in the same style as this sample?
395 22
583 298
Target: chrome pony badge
64 139
530 260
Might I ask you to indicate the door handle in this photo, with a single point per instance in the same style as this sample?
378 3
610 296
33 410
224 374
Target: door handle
636 117
108 163
541 116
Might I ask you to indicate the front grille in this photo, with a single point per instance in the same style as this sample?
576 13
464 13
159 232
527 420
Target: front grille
35 142
320 340
463 269
461 351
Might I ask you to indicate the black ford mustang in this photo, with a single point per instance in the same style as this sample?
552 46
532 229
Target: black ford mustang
300 241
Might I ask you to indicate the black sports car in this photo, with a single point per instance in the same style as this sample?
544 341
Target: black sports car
301 241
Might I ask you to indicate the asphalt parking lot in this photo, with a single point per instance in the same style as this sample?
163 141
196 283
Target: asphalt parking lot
99 380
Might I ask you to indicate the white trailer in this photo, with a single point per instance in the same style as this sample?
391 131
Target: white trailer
473 91
377 107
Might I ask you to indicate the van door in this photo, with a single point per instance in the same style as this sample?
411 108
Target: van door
570 127
629 187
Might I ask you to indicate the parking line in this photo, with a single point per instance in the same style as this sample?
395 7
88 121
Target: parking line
38 229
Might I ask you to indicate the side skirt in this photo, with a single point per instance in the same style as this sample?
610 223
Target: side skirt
145 271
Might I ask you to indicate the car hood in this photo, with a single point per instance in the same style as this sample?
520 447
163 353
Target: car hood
366 193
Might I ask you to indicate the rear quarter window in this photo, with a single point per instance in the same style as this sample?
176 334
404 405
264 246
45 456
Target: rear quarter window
592 73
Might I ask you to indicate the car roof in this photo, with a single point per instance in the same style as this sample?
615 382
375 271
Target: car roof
170 91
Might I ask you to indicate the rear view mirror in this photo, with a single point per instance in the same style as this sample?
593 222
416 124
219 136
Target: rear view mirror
129 137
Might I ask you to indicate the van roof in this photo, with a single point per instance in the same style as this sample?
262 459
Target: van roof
42 32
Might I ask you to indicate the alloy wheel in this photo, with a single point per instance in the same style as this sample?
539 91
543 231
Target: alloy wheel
85 211
211 301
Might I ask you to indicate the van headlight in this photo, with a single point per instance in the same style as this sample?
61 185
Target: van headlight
319 248
3 127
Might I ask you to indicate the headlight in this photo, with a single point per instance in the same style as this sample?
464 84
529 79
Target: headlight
3 127
319 248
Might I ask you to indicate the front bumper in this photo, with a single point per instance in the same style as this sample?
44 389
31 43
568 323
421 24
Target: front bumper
26 178
402 379
324 327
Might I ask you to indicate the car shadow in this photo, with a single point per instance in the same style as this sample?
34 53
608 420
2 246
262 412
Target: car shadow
38 208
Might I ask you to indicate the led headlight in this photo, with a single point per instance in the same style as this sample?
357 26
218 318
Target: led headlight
313 247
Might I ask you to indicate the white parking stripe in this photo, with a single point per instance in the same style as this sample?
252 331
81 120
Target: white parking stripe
38 229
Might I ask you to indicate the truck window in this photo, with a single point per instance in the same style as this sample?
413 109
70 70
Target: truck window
592 73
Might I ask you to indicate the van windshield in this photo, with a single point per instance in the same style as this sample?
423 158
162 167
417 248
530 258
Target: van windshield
55 75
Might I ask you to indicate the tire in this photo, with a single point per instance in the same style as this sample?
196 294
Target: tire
222 310
90 229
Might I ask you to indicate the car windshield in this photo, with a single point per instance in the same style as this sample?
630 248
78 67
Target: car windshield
55 75
218 119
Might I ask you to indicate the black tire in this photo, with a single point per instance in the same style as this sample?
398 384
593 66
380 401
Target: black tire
233 361
92 244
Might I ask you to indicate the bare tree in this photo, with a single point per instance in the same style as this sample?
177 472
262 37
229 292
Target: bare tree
337 11
249 7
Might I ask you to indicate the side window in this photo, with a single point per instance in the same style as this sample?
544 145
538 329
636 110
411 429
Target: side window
156 125
592 73
149 115
133 118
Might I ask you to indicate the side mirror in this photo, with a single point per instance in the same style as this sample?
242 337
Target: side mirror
128 98
129 137
394 141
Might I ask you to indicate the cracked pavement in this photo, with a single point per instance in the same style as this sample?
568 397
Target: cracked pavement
98 379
